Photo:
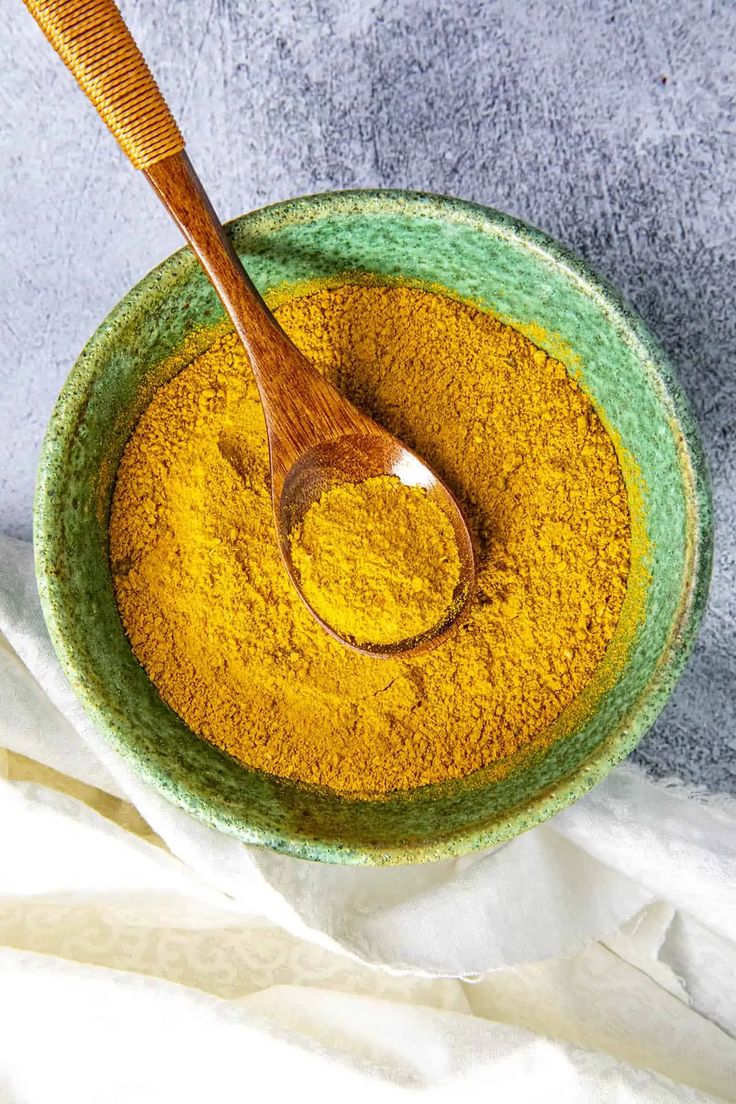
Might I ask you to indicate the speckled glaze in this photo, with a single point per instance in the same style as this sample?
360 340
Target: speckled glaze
476 254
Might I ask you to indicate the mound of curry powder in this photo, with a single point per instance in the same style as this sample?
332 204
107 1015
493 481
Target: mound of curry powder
216 623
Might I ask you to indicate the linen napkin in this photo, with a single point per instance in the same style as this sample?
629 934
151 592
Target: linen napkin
144 955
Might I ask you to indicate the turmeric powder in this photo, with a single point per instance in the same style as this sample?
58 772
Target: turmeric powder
377 561
217 624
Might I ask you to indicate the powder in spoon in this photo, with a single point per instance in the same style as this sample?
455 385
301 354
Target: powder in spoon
377 560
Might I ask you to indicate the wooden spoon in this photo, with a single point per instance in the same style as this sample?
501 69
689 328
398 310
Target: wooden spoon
316 437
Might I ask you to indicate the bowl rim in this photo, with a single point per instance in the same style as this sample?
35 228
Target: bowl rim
643 712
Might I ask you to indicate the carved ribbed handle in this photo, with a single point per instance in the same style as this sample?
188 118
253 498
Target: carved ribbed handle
92 39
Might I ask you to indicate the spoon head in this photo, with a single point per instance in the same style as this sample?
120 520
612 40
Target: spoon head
354 458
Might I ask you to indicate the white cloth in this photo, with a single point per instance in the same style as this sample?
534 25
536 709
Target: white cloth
144 956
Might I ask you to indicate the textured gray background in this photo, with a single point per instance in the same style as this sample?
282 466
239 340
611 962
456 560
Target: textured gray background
609 124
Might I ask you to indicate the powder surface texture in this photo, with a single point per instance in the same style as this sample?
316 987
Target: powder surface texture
377 560
215 621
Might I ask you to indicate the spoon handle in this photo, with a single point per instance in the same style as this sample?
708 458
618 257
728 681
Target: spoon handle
273 357
91 38
94 42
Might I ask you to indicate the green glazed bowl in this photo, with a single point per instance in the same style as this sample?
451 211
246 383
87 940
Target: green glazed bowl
472 253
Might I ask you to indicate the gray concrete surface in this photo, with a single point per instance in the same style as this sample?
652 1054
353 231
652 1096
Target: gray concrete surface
609 124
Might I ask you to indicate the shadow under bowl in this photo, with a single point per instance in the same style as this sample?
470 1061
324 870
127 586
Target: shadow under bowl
469 252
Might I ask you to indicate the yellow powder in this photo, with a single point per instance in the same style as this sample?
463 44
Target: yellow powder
377 561
215 621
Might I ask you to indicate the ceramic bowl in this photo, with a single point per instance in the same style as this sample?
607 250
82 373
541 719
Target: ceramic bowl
475 254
